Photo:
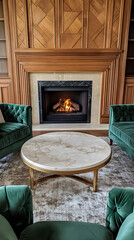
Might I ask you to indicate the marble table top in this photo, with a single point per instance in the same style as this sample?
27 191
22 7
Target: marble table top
65 151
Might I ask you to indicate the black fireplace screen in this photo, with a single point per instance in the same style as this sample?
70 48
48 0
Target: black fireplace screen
65 101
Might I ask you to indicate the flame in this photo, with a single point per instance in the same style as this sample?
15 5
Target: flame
67 105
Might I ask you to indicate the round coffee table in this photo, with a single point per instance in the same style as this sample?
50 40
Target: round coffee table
65 154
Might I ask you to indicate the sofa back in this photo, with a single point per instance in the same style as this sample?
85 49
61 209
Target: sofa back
120 204
16 206
16 113
121 113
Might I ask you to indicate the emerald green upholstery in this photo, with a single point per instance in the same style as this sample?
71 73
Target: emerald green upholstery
126 230
66 231
17 127
6 231
120 204
121 127
16 207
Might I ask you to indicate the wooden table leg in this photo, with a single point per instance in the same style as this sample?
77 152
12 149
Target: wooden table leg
95 180
31 178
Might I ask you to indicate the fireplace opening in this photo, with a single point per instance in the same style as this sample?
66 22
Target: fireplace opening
65 101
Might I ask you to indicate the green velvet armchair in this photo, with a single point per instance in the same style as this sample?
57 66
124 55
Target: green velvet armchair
17 127
121 127
16 219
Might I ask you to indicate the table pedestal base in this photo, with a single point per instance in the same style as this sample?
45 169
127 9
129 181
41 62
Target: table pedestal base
77 178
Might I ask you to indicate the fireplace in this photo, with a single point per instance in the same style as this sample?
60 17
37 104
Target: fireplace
65 101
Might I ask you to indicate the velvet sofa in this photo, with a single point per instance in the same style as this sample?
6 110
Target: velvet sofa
16 219
121 127
17 127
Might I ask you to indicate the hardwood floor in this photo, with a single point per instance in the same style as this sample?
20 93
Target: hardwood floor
97 133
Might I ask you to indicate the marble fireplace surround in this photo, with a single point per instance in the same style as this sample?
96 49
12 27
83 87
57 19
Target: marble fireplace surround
95 77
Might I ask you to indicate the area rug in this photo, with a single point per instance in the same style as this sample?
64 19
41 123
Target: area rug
66 199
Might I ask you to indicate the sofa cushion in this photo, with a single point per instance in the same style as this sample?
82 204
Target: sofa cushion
1 117
12 132
126 231
124 131
6 231
66 231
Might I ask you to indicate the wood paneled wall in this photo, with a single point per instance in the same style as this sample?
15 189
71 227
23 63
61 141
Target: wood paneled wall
129 90
69 24
36 25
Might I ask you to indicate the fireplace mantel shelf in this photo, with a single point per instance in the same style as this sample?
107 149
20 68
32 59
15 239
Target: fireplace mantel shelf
66 60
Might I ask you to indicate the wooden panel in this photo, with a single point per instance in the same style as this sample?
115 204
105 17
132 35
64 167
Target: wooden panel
129 91
112 39
21 23
43 24
96 23
113 24
14 44
117 14
24 86
72 23
5 90
109 89
124 46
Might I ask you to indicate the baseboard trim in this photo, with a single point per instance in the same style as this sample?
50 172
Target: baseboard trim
97 133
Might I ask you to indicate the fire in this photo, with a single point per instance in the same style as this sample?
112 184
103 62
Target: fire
65 106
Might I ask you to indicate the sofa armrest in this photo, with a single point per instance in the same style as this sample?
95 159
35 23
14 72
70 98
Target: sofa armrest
120 204
17 113
16 206
121 113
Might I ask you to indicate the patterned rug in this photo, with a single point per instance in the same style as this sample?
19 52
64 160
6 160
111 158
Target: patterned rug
66 199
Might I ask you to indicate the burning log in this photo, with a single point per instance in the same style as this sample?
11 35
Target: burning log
76 106
55 106
66 106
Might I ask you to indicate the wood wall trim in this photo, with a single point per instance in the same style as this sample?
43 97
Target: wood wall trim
13 37
123 56
97 133
90 51
66 60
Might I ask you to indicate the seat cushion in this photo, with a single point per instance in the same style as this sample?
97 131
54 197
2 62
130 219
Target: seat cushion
124 131
11 132
6 231
66 231
126 231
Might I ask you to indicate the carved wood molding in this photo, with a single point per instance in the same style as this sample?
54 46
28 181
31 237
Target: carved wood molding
66 60
24 86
